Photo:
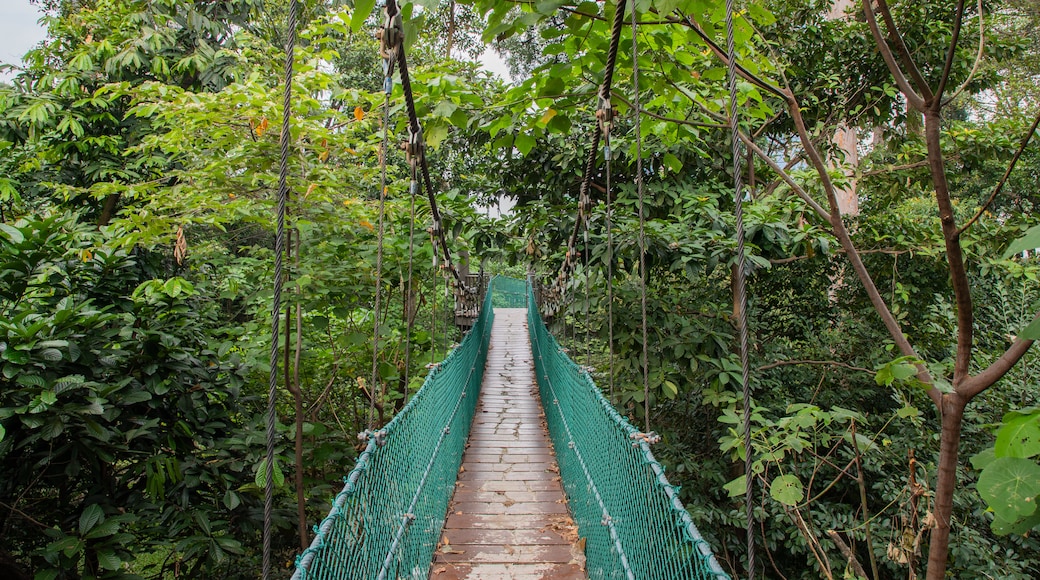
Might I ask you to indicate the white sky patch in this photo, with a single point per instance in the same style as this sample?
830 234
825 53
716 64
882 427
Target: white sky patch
491 62
19 31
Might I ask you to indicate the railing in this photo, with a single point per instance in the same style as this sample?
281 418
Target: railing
631 517
386 521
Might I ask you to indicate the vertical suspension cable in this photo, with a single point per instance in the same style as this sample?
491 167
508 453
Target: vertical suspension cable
610 260
410 289
276 300
642 222
741 288
384 152
588 302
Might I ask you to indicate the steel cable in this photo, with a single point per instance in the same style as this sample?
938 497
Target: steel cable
642 222
276 299
741 289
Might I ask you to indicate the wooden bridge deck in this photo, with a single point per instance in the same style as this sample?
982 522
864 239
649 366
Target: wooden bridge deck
508 518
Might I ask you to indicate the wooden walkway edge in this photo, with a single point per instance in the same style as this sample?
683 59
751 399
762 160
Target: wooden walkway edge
508 518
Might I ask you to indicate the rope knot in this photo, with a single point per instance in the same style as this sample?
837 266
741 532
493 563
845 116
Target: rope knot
650 438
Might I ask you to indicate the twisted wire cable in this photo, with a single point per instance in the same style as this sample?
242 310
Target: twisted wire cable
642 222
276 300
384 152
741 288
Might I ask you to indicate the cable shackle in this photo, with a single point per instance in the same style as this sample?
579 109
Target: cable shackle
391 34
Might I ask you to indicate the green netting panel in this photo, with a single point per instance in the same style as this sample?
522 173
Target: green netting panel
634 524
508 292
386 521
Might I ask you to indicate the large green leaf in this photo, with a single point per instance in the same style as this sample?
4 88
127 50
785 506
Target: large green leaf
1010 486
261 475
787 489
362 10
1019 436
1029 241
90 518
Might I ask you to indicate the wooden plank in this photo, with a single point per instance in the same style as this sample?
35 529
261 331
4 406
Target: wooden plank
509 518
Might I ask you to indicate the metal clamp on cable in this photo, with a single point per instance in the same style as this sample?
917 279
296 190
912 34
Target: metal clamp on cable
414 147
378 436
391 33
605 114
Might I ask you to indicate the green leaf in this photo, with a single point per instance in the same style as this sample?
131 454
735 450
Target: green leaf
3 432
1019 436
362 9
1029 241
737 487
108 559
672 162
1031 331
983 458
261 475
670 389
90 518
1010 486
524 143
787 489
13 234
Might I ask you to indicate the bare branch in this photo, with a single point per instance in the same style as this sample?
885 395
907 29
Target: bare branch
785 176
721 54
984 380
978 59
846 551
1003 180
904 52
781 363
958 19
615 95
915 100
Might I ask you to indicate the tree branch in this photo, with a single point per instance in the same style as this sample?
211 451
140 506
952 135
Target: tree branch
984 380
958 19
1003 180
912 98
834 363
978 59
785 176
615 95
842 233
721 54
904 52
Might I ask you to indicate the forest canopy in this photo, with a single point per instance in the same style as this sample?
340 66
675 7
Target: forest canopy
891 172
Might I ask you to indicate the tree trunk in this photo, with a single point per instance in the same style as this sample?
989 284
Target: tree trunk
108 210
451 28
952 410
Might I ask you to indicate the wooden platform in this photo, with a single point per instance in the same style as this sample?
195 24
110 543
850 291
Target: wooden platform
508 518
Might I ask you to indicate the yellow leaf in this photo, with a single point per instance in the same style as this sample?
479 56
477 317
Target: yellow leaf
366 224
262 127
323 155
549 114
310 190
86 255
359 113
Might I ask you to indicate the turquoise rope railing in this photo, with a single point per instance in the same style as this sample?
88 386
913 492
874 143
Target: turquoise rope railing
508 292
631 517
386 521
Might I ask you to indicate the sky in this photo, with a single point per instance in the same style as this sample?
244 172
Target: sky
19 30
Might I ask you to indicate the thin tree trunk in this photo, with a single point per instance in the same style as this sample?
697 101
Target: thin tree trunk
949 446
451 28
108 210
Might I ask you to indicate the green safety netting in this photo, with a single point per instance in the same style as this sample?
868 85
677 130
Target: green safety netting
508 292
386 521
631 517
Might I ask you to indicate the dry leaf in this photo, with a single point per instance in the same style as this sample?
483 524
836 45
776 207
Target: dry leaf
359 113
180 248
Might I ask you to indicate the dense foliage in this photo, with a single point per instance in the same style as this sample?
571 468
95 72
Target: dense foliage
138 166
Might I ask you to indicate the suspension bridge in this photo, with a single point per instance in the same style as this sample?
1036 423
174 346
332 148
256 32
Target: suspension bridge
508 462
